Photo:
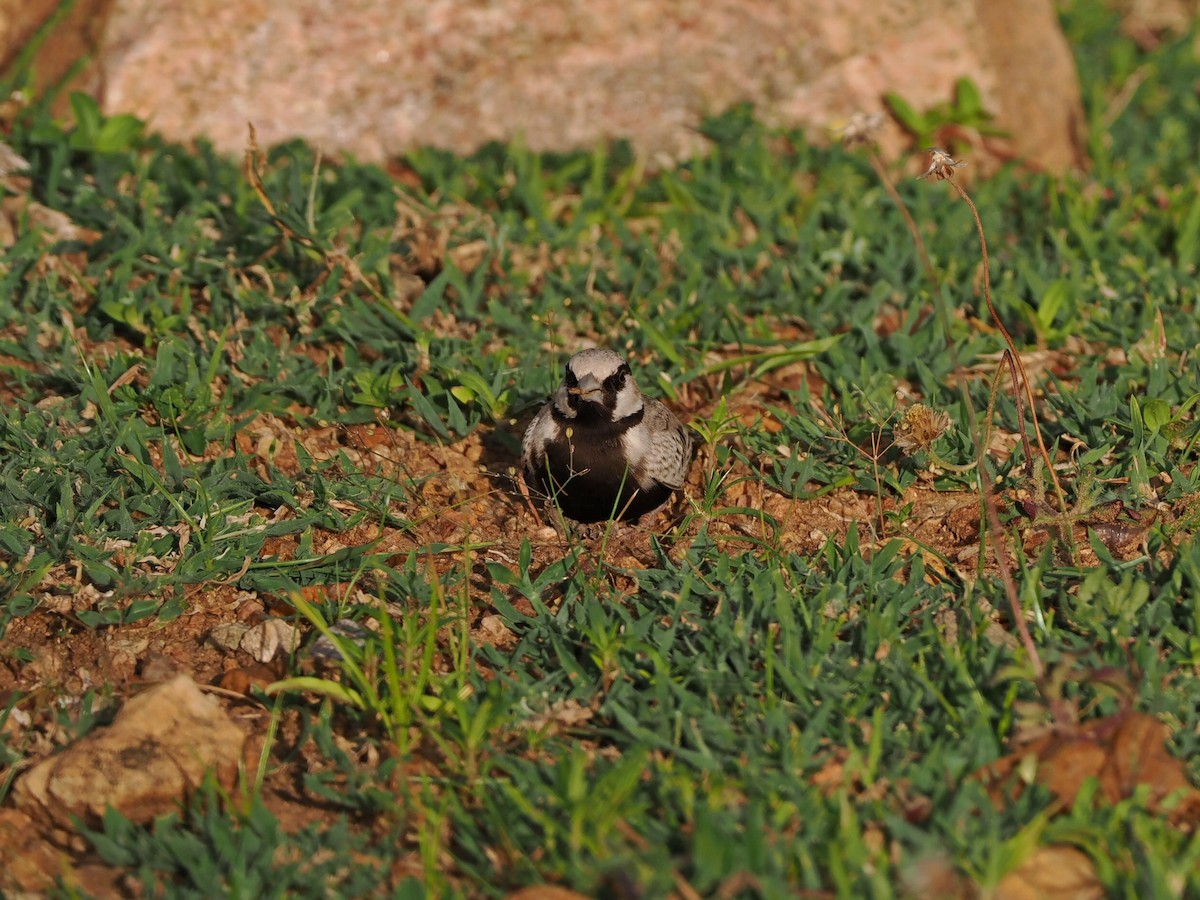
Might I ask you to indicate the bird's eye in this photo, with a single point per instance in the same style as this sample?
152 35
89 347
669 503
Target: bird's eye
569 379
616 380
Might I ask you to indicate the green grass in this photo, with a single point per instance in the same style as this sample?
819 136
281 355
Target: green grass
661 718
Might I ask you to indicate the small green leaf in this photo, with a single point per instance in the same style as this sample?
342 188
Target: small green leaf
118 134
908 117
1156 414
1053 300
1188 239
86 112
969 102
1135 418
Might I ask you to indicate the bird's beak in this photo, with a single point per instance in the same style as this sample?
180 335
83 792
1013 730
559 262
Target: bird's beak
588 386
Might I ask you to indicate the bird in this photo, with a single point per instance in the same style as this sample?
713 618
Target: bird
601 450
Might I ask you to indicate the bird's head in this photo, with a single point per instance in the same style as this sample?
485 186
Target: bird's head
598 383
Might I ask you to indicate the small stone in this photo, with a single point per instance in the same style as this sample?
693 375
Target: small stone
144 764
323 649
266 639
228 636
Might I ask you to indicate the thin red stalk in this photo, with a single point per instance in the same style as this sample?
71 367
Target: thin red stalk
1012 347
909 222
999 548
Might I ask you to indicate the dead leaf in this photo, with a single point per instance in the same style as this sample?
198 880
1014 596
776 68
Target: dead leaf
936 876
830 777
559 715
1058 871
1122 752
243 680
545 892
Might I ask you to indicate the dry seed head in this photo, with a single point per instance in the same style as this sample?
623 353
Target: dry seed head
860 129
920 428
941 164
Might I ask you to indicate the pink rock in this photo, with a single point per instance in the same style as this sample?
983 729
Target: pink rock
377 77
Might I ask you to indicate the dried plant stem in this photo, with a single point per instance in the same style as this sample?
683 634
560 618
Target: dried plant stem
1016 357
942 165
332 257
876 454
909 223
999 549
956 468
940 306
1000 542
1008 359
252 159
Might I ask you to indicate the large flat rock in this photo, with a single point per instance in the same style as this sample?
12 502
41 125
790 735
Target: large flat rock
377 77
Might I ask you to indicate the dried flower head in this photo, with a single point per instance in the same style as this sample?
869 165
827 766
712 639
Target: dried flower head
941 164
860 129
919 428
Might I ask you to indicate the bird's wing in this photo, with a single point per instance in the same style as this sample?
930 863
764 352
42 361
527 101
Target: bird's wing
669 450
533 445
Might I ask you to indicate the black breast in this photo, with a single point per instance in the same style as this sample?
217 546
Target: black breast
590 477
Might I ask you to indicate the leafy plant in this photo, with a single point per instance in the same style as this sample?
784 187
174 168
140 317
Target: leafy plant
930 128
96 133
211 850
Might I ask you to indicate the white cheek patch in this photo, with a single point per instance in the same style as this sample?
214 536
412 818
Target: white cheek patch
628 403
561 403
